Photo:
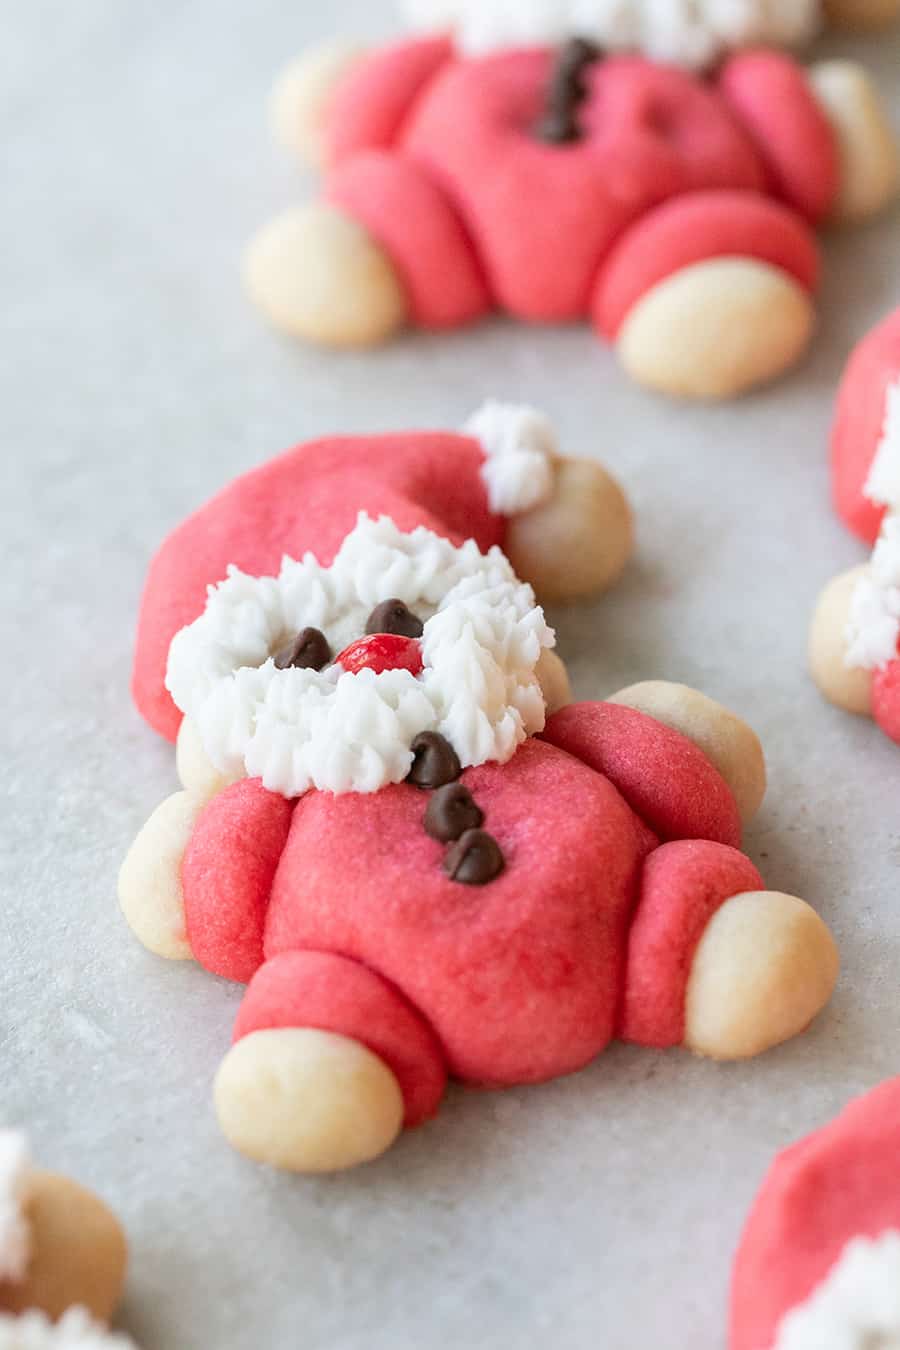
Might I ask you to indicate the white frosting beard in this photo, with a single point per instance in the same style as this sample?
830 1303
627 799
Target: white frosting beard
857 1306
15 1182
873 629
689 32
75 1331
343 732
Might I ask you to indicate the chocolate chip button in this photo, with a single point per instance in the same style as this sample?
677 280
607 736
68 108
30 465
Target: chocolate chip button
568 90
451 811
475 859
435 762
309 650
392 616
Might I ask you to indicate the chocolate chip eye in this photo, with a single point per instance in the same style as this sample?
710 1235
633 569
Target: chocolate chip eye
392 616
435 762
568 90
475 859
451 811
309 650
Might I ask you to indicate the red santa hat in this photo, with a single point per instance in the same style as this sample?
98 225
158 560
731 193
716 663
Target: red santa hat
863 402
819 1262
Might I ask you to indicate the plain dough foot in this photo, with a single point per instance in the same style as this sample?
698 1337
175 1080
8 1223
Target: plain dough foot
79 1252
150 891
197 775
869 158
726 740
717 329
307 1101
578 542
765 967
845 686
319 275
302 94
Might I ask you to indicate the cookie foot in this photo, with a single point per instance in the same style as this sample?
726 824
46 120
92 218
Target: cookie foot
577 543
732 746
302 95
867 145
717 329
319 275
150 890
554 681
78 1252
765 967
307 1101
197 774
845 686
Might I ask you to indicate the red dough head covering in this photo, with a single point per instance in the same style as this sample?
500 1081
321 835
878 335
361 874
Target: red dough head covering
840 1184
873 368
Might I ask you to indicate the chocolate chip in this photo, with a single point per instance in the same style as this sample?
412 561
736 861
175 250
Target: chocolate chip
451 811
435 762
475 859
568 90
309 650
392 616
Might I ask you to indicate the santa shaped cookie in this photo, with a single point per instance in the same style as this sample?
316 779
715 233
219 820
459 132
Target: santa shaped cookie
396 828
578 176
856 627
819 1262
62 1258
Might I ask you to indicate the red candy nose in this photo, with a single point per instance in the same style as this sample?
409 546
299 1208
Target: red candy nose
382 651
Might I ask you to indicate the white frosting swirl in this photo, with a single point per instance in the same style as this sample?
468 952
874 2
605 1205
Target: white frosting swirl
873 627
74 1331
519 446
690 32
15 1184
857 1306
343 732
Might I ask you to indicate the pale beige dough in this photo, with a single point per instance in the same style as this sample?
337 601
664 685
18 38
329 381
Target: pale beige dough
578 542
765 967
150 878
307 1101
846 687
554 681
717 329
317 274
870 164
732 746
862 13
302 94
197 774
79 1252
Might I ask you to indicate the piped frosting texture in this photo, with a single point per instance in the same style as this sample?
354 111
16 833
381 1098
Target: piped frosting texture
340 732
519 446
857 1306
873 628
75 1331
690 32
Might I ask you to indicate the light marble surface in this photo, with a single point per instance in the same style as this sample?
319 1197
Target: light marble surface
597 1211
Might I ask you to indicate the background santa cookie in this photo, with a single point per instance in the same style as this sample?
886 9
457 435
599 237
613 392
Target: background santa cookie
427 861
676 210
819 1262
856 628
62 1256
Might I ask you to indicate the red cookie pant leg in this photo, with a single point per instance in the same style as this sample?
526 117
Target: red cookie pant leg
323 992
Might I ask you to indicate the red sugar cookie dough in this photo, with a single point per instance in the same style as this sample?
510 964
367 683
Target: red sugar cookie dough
872 368
307 499
371 104
520 978
683 886
838 1184
227 876
331 993
660 773
886 699
409 216
693 229
773 98
543 218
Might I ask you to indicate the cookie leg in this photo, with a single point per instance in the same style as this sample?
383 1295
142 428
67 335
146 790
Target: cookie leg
716 963
711 295
329 1064
577 543
845 686
303 94
869 162
150 890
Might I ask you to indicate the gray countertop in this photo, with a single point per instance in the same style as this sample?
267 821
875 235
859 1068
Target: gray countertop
599 1211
